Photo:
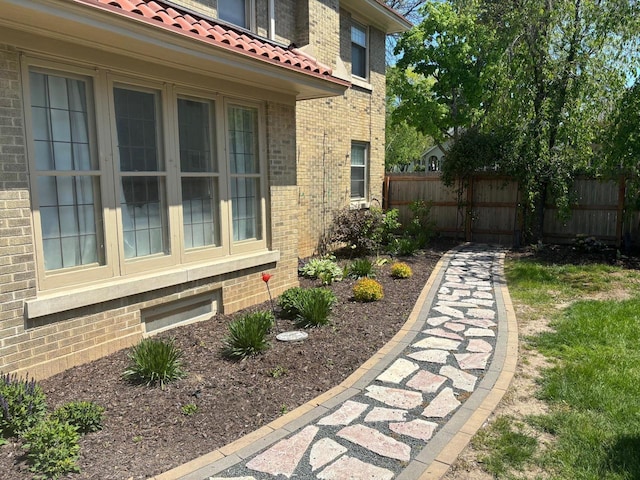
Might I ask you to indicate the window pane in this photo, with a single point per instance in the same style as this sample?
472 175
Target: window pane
357 182
359 35
245 200
358 171
194 128
357 155
60 123
144 221
233 11
71 221
136 125
199 211
358 61
243 139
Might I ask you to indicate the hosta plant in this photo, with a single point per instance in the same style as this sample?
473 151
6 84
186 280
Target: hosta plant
401 270
247 335
324 269
367 290
22 404
85 416
155 361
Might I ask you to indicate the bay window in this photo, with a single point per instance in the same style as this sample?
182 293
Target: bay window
132 176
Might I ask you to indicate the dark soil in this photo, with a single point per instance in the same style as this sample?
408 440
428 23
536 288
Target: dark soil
145 431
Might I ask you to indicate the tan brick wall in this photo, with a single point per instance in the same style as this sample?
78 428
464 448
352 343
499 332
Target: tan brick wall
17 265
47 345
326 128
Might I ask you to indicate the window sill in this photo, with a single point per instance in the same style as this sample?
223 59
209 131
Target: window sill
362 83
49 303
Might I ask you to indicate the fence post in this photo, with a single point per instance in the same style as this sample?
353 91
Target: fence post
385 192
620 211
468 218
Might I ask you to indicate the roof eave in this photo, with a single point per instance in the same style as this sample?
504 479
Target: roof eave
379 15
132 37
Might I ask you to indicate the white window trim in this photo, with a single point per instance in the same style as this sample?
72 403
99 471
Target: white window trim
363 80
116 268
361 202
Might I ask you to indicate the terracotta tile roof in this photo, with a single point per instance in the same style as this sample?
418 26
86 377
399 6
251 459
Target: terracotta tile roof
172 18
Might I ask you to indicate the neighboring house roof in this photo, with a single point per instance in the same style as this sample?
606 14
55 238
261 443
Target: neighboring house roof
174 18
435 149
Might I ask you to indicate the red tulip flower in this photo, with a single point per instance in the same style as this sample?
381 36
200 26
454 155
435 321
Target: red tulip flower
265 278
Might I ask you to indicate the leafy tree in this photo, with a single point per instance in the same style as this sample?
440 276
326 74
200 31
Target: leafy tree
447 61
543 73
403 142
622 143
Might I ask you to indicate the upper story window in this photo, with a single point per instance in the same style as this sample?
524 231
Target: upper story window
359 56
132 175
234 11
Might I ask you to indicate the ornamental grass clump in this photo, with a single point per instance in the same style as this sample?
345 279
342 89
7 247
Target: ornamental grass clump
85 416
367 290
361 268
154 361
313 307
247 335
22 404
401 270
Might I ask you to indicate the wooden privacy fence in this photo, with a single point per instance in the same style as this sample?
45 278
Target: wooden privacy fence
490 208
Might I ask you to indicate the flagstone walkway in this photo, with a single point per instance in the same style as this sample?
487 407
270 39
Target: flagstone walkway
410 410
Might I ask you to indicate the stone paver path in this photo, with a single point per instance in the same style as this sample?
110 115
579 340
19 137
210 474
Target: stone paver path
392 418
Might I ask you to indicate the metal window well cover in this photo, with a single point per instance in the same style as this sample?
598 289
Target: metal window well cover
293 336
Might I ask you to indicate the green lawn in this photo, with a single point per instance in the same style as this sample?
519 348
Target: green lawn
593 385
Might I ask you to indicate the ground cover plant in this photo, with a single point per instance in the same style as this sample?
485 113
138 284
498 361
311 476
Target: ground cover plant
579 318
148 430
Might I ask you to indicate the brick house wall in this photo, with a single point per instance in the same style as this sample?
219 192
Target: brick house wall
308 171
326 128
49 344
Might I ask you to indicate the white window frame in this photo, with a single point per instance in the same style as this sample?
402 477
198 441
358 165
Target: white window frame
364 146
104 143
365 30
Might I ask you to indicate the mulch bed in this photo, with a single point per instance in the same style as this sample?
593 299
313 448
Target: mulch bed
145 432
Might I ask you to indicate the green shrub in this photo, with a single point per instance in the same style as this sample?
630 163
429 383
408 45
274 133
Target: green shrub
314 307
361 268
22 404
326 269
420 228
401 270
52 448
364 231
85 416
247 335
155 361
405 247
287 301
367 290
